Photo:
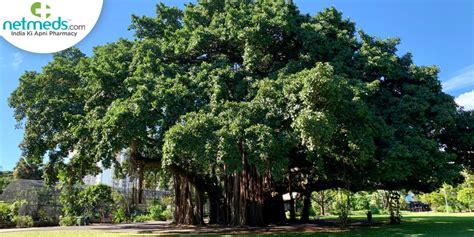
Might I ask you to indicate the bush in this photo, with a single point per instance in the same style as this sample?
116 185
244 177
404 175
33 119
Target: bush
443 209
96 200
16 207
142 218
375 210
67 221
5 220
166 215
23 221
156 210
44 219
119 216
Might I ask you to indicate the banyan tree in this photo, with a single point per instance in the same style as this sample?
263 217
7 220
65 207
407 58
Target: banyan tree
239 102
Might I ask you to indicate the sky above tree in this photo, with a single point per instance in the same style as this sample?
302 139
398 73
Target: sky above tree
437 32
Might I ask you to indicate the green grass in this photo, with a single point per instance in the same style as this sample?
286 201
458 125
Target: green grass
64 233
414 224
417 224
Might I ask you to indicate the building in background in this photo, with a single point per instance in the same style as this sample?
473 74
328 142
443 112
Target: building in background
107 176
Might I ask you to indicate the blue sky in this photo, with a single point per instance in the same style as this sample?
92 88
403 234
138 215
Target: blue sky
437 32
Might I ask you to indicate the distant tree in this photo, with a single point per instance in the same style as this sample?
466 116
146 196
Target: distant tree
466 192
5 179
26 170
466 197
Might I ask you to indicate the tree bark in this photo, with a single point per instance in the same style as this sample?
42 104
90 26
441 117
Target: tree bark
141 185
292 200
322 204
306 207
199 207
184 213
216 213
274 209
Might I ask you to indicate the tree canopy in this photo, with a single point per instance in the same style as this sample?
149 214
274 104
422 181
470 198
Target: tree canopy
245 101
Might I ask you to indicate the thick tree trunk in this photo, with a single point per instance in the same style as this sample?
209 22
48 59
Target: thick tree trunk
134 193
292 200
394 207
141 183
274 209
386 200
239 202
185 208
306 207
199 208
247 192
255 196
216 213
322 203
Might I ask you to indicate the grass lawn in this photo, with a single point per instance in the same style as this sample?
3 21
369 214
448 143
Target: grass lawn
414 224
65 233
418 224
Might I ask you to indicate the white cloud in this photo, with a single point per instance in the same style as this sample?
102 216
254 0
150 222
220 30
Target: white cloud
17 60
461 80
466 100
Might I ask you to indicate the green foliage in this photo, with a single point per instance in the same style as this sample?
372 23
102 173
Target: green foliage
26 170
166 215
96 199
23 221
158 211
16 206
465 193
155 211
5 179
141 218
460 139
5 216
67 221
466 197
119 216
459 197
360 202
68 199
10 215
44 219
119 201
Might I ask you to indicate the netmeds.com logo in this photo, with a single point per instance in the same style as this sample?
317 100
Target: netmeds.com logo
47 26
40 10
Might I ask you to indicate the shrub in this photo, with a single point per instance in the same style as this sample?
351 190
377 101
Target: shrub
16 206
5 220
44 219
118 199
166 215
374 210
23 221
156 210
96 200
67 221
142 218
119 216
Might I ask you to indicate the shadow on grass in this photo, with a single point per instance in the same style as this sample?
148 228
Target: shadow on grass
411 226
